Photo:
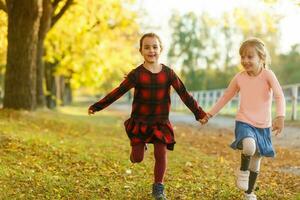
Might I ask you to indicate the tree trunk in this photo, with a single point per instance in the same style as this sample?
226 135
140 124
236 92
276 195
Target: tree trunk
43 30
20 77
50 85
68 92
1 89
60 89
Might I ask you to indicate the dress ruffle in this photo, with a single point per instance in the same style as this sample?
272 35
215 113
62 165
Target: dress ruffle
142 132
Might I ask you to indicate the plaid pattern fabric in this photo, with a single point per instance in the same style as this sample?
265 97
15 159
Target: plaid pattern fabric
139 132
151 103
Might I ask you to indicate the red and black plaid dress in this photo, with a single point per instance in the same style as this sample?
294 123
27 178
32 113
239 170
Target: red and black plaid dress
149 119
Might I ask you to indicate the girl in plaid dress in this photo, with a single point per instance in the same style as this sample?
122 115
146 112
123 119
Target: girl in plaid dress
149 120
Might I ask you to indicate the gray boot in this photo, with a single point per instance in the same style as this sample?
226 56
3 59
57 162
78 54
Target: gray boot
158 191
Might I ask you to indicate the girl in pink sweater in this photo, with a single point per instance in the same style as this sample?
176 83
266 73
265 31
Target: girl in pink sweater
256 85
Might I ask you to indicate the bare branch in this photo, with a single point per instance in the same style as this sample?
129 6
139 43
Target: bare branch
3 6
61 12
94 25
55 4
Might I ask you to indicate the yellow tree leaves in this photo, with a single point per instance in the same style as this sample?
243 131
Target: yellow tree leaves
96 41
256 23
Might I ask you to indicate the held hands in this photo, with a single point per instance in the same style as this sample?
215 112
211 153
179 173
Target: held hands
205 119
278 124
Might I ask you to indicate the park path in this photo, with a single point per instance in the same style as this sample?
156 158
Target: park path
290 137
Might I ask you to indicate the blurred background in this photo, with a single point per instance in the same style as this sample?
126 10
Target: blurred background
80 48
59 56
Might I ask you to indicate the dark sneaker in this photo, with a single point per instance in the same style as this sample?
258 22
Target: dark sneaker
158 191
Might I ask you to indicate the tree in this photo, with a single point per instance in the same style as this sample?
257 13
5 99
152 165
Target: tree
264 25
231 35
288 66
47 14
20 77
96 51
3 42
194 46
52 12
207 48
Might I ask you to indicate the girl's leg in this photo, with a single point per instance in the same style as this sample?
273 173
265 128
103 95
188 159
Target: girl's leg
160 155
254 170
255 162
249 148
137 153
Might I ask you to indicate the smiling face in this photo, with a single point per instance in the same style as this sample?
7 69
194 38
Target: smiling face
150 49
250 60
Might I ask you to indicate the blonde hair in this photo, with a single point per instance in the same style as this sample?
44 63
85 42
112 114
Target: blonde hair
260 48
150 35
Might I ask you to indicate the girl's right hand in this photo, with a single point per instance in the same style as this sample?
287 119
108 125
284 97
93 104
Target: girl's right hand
91 111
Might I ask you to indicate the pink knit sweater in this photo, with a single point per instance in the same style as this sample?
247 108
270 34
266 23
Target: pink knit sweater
255 93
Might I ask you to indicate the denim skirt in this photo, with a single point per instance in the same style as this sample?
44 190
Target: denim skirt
262 137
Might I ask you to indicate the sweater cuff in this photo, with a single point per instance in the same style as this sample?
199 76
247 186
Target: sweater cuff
200 114
94 108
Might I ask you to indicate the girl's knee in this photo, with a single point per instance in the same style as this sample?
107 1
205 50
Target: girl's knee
249 146
137 153
137 158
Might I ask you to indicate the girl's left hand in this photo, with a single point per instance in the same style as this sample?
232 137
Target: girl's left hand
278 125
205 119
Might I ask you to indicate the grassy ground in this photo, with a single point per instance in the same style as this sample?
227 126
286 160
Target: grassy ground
67 155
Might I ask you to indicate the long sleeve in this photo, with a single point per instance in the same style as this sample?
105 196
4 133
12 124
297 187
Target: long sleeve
278 94
229 93
127 84
187 99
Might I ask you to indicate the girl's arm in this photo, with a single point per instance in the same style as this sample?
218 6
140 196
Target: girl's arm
278 94
127 84
187 99
278 123
229 93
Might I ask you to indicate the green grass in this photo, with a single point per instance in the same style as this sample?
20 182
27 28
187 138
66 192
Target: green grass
65 154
